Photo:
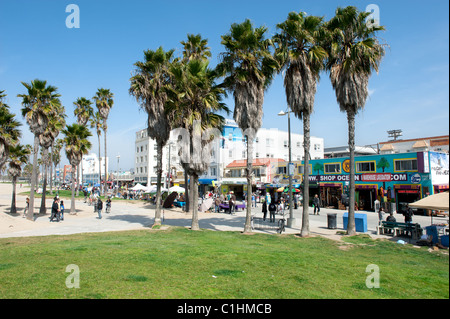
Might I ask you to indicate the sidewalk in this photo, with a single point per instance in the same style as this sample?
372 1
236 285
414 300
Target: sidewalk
139 215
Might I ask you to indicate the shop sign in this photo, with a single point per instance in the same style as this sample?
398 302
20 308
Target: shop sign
416 179
376 177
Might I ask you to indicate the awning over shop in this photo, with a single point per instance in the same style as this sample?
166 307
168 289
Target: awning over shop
330 184
234 181
206 181
365 186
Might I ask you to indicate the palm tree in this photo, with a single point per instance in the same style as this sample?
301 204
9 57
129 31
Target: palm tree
194 100
37 104
148 86
249 68
194 48
83 111
354 52
56 153
299 50
96 122
104 102
76 144
56 122
9 132
18 155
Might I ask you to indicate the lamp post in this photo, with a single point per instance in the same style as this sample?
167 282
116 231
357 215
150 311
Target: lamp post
291 220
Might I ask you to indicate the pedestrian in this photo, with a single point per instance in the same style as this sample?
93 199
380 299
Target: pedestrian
316 203
253 200
27 207
55 210
408 213
99 208
272 210
380 214
264 209
61 208
217 203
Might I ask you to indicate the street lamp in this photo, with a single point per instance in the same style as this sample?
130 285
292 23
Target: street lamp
291 220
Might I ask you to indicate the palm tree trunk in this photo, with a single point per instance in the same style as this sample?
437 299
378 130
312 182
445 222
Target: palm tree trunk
306 147
30 213
248 216
159 155
72 201
51 170
186 189
99 164
44 186
13 200
351 145
106 168
194 204
77 184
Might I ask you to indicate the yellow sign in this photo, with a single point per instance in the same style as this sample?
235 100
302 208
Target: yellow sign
346 166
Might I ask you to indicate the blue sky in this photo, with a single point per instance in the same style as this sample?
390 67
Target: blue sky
411 91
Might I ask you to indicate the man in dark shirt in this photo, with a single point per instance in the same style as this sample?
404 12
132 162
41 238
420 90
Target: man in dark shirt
55 210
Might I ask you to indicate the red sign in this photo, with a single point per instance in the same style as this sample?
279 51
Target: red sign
376 177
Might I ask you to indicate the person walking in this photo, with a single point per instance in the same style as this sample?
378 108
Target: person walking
55 210
27 207
264 209
99 208
316 203
61 209
272 210
408 213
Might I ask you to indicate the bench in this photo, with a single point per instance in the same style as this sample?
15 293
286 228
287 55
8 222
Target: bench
260 223
399 229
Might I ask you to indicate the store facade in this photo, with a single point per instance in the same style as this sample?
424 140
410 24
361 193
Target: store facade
395 178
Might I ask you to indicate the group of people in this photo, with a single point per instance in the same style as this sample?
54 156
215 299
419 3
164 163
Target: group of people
230 199
407 213
57 209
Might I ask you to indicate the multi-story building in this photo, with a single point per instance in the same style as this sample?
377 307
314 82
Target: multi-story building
424 144
90 166
269 144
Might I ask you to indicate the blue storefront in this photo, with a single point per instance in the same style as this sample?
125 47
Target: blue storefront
389 178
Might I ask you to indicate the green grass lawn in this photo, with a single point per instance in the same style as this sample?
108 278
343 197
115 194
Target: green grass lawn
179 263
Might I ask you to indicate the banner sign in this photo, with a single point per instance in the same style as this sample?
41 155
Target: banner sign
375 177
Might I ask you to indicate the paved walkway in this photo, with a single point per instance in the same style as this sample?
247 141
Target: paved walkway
138 215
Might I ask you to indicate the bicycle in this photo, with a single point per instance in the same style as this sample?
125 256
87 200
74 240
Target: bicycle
281 224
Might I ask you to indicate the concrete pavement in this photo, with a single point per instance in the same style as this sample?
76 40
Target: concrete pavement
138 215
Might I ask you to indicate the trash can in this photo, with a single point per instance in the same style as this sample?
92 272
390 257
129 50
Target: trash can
432 230
332 221
360 222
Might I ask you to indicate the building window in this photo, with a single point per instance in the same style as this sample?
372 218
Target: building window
366 167
317 147
257 155
230 154
405 165
213 171
137 149
286 143
298 144
301 169
235 173
333 168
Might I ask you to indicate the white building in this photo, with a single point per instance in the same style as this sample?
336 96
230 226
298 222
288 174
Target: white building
424 144
90 166
269 143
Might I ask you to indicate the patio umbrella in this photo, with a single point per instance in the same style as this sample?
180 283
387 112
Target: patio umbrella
294 190
279 190
434 202
177 189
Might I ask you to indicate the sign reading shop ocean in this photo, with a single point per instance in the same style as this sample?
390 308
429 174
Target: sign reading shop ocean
376 177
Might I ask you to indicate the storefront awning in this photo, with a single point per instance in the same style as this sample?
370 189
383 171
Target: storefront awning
206 181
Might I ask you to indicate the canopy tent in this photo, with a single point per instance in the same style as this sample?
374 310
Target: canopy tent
138 187
435 202
177 189
152 189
